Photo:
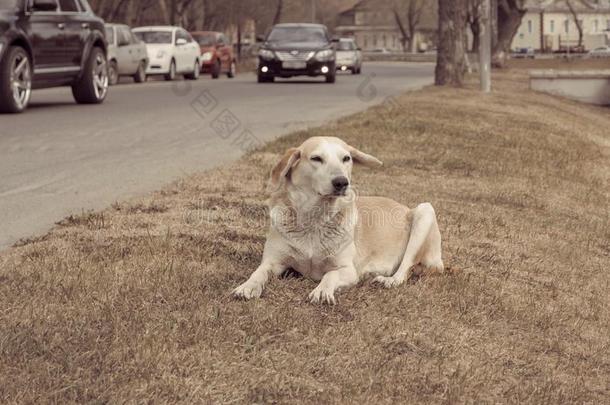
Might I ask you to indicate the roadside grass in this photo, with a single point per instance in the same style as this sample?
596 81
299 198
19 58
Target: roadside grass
132 304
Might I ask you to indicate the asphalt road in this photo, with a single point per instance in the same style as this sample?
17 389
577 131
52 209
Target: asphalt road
61 158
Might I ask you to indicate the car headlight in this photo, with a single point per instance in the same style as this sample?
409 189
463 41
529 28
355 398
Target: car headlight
206 57
266 54
325 55
160 54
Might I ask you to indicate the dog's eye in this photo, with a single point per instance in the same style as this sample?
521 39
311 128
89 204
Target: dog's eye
347 159
317 159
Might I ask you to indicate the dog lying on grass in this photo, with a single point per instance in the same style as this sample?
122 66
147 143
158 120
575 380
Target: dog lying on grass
322 230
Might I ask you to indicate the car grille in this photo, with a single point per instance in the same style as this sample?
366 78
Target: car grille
301 56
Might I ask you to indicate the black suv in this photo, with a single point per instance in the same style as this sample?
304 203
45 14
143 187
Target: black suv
297 50
49 43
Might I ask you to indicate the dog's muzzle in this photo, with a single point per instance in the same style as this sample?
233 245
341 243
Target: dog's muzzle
340 185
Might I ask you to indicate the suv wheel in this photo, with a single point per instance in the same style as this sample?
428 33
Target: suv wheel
113 73
171 75
331 76
92 87
216 70
15 80
140 76
232 70
195 74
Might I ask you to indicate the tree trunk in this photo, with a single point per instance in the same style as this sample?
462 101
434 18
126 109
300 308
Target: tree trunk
413 44
172 12
164 14
130 14
576 22
509 20
475 28
278 12
239 40
404 36
451 54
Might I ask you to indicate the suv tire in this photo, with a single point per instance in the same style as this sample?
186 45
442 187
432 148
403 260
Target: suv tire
331 76
17 63
92 87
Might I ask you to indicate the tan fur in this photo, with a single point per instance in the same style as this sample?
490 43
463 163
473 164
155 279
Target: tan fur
338 238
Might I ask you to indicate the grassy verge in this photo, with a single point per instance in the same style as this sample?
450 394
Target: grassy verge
133 304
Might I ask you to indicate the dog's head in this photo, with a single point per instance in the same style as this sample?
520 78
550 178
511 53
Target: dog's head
321 165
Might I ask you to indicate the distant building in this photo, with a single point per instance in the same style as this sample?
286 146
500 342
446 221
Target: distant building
549 25
373 25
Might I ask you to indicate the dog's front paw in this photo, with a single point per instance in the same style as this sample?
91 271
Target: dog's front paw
248 290
322 295
388 282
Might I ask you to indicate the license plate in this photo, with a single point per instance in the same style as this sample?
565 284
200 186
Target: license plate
294 65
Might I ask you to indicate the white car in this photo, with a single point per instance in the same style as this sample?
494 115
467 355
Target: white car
349 56
171 51
601 52
127 55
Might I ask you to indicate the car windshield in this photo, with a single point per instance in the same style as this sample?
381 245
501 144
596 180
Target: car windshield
205 40
346 46
154 37
9 4
298 34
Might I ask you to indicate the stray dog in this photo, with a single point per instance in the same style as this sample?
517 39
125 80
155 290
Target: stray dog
322 230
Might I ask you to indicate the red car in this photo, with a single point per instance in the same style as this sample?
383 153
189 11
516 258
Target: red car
216 53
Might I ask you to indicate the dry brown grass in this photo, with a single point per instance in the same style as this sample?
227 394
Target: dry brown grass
132 304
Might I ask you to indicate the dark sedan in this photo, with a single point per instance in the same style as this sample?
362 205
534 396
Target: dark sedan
297 50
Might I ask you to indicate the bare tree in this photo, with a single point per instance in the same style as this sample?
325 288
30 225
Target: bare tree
510 14
474 22
576 21
278 12
408 16
451 53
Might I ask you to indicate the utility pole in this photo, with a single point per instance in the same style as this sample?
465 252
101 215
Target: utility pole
485 45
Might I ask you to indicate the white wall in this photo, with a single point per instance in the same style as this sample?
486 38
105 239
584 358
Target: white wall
528 34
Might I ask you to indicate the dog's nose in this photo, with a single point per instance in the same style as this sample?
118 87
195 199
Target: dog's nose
340 183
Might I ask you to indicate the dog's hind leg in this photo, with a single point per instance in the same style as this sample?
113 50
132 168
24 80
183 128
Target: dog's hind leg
424 246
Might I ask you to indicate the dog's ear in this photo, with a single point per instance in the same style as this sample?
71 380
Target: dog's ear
364 158
282 169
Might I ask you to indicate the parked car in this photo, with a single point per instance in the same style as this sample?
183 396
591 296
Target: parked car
379 50
573 49
522 53
216 53
127 55
45 45
600 52
296 50
349 56
171 51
